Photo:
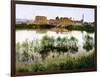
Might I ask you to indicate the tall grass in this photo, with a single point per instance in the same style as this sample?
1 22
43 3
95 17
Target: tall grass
50 54
61 63
45 45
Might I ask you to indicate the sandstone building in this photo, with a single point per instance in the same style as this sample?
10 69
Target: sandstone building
60 21
40 20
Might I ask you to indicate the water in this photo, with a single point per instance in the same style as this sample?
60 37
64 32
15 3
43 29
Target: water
22 35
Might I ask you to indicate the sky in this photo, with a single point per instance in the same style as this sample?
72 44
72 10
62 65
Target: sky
30 11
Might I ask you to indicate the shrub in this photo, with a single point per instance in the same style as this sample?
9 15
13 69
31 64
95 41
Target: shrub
73 45
47 45
88 45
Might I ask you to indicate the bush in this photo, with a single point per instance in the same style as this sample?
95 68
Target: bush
47 45
88 45
73 45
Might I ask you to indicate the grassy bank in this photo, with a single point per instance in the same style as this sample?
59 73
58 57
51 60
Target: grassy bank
34 26
60 63
84 27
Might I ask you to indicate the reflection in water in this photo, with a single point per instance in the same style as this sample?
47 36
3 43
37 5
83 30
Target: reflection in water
22 35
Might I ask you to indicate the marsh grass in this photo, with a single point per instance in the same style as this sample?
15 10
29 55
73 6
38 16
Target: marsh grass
48 54
61 63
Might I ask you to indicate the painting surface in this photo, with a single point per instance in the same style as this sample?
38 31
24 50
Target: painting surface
53 38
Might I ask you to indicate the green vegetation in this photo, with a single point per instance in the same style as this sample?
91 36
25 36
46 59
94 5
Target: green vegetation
60 63
34 26
84 27
51 53
45 45
88 43
49 44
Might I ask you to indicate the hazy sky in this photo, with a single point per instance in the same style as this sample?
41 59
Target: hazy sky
30 11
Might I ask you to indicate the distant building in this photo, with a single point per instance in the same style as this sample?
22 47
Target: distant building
40 20
65 21
60 21
52 22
